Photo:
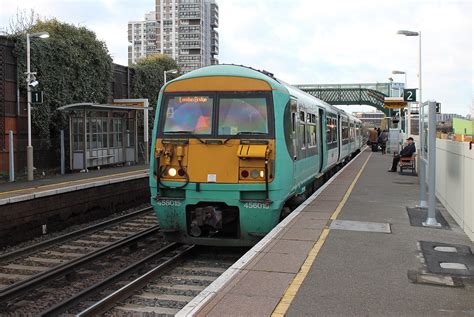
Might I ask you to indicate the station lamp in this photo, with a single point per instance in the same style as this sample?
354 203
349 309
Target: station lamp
171 71
29 83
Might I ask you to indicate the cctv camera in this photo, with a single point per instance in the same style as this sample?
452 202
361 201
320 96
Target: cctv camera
34 83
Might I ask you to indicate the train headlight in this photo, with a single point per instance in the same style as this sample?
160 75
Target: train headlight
262 174
172 172
254 174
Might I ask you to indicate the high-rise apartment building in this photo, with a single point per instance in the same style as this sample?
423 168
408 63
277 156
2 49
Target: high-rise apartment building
186 31
142 36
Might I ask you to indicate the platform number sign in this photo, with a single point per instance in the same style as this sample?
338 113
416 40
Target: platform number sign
409 95
37 97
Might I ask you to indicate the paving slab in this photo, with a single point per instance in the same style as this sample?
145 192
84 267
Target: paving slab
244 305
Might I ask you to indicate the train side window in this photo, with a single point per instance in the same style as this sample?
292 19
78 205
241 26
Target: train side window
302 130
293 122
293 110
328 130
311 135
302 135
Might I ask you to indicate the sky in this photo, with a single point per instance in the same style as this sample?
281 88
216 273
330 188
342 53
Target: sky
313 41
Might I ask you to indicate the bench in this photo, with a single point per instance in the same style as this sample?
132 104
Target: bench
408 163
100 156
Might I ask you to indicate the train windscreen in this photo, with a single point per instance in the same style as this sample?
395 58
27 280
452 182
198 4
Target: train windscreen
189 114
242 115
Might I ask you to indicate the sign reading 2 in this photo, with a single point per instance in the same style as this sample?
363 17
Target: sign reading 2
409 95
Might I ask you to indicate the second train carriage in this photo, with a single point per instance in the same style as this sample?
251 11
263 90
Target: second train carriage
235 149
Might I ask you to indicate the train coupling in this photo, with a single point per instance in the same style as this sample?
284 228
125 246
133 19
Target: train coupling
209 217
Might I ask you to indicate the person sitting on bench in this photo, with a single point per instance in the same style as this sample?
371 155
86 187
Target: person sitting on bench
407 151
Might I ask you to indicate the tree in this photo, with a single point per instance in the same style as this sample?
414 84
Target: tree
148 78
72 66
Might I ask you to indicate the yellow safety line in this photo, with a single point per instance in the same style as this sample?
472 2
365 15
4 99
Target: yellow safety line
295 285
26 190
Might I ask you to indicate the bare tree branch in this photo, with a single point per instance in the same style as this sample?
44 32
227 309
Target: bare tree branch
22 21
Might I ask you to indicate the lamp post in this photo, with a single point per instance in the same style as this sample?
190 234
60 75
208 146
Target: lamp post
408 115
390 120
423 201
29 84
171 71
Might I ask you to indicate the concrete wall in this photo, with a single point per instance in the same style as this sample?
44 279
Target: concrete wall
455 181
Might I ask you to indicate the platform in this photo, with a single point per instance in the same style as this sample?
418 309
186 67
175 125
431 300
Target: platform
24 190
349 250
30 209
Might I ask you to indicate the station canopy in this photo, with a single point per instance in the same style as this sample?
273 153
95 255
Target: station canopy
394 103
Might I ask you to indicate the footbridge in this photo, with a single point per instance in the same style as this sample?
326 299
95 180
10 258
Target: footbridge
371 94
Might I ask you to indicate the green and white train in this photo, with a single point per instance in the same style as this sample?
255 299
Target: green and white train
235 150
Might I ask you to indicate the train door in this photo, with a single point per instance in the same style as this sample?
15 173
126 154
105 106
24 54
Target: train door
339 137
322 131
294 124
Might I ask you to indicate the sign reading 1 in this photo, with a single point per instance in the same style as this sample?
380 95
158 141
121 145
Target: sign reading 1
37 97
409 95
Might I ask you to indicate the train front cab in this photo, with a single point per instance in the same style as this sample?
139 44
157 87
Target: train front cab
214 176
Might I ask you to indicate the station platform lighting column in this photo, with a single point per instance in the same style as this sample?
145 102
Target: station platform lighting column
423 201
30 81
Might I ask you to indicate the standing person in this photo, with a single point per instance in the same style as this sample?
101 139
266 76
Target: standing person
373 136
378 132
382 140
406 152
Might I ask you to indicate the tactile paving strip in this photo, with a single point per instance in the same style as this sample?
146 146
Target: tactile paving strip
463 257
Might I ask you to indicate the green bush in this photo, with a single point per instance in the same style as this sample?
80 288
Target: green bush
72 66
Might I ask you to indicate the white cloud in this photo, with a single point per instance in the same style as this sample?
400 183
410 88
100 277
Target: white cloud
311 41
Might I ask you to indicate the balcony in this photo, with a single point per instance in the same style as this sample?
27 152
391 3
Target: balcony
190 46
190 15
214 22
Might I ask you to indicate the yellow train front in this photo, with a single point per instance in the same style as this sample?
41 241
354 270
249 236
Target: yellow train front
227 162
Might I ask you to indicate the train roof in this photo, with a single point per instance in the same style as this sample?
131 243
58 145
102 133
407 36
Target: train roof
248 72
232 70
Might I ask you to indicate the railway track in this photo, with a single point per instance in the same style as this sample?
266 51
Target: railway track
25 269
161 284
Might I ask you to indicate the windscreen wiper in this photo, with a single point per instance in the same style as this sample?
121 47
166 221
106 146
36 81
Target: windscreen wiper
249 132
245 133
185 132
181 131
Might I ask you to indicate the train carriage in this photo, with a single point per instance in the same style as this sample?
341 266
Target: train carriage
236 149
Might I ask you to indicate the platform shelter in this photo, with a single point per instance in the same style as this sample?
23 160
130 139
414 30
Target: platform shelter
109 135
